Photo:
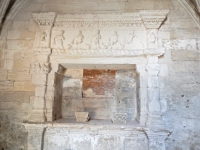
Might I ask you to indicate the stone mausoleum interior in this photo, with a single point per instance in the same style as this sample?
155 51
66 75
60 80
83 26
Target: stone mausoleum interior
99 74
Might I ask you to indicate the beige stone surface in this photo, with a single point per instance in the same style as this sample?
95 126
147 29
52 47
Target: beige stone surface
21 75
20 35
23 86
185 55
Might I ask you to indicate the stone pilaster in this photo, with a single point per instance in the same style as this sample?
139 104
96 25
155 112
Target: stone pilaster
41 66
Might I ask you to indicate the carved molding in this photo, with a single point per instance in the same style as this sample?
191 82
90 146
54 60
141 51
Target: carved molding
42 51
44 20
153 19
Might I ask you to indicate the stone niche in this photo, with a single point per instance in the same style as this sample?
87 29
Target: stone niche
105 64
104 93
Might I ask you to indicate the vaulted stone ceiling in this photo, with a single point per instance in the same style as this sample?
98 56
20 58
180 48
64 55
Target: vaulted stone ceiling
6 6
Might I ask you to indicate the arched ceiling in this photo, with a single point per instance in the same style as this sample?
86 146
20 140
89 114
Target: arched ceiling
11 7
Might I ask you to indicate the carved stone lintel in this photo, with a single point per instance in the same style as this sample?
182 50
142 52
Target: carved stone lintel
153 18
40 68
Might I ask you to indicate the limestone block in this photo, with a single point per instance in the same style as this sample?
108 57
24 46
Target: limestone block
187 33
23 86
20 25
129 143
178 14
20 35
163 70
16 96
33 26
39 102
23 64
185 55
119 118
19 44
50 90
40 91
7 106
6 85
19 75
153 94
161 5
3 75
39 79
138 5
153 82
3 45
182 23
72 83
82 116
153 69
23 16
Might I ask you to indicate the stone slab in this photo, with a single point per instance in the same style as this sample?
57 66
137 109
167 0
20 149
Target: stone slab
23 86
184 55
19 75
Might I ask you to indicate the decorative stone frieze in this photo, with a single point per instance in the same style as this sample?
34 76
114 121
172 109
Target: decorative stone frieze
42 51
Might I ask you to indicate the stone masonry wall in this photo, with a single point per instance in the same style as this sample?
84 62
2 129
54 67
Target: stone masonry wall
179 76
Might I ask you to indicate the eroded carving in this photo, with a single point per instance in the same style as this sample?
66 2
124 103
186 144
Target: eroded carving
42 51
119 118
40 67
58 38
188 44
78 40
152 38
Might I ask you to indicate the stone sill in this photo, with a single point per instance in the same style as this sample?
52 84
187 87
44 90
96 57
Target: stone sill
95 124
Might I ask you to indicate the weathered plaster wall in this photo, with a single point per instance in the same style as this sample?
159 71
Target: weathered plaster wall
179 76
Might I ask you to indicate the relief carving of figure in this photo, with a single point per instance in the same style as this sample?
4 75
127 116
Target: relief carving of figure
152 39
43 36
58 40
132 42
112 42
95 40
78 40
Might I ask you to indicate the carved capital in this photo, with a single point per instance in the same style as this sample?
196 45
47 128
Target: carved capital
40 68
45 20
153 18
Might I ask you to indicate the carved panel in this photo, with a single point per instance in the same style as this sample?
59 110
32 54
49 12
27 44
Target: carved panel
119 118
186 44
40 67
